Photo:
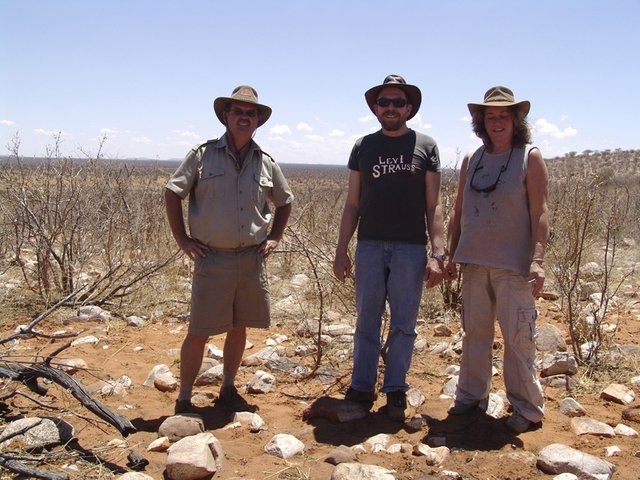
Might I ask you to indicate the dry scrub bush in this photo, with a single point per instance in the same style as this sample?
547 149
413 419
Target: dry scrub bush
68 223
591 210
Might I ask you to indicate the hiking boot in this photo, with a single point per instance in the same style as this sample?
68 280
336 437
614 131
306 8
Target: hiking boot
231 399
183 406
459 408
517 423
365 399
397 406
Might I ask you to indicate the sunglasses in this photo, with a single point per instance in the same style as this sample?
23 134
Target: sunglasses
385 102
493 186
249 113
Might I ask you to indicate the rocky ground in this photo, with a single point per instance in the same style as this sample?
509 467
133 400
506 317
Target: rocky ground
480 446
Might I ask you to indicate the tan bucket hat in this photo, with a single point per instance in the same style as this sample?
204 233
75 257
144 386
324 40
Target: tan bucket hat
413 93
246 94
500 97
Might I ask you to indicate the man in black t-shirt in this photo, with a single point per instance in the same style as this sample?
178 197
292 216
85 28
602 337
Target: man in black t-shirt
393 200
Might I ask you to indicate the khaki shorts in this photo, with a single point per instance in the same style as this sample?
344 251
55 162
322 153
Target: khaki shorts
230 289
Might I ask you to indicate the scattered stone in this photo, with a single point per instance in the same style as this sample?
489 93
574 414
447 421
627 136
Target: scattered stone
439 348
284 446
305 350
589 426
159 445
558 363
157 370
612 451
180 426
214 352
420 345
566 476
211 377
338 329
84 340
619 394
193 457
257 424
495 406
415 398
632 414
71 365
262 382
282 365
134 476
571 408
452 370
625 431
437 441
592 271
566 382
37 432
136 461
334 409
434 456
526 459
558 458
260 357
308 328
416 423
93 313
442 330
341 454
377 442
629 350
326 376
450 387
359 471
134 321
549 338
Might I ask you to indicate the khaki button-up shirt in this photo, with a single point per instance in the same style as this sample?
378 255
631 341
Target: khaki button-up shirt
228 207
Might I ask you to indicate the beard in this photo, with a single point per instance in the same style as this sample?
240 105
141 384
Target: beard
392 124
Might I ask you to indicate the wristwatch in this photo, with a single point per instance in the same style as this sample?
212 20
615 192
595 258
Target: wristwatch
439 256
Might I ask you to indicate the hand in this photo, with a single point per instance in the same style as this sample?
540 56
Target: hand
342 266
433 272
267 247
450 271
536 278
193 247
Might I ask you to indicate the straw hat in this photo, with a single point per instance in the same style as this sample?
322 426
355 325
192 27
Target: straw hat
413 93
243 93
500 97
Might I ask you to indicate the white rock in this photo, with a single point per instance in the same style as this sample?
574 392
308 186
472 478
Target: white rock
194 457
134 321
262 382
571 408
84 340
380 440
558 458
358 471
589 426
159 445
284 446
625 431
619 394
214 352
415 398
612 451
212 376
134 476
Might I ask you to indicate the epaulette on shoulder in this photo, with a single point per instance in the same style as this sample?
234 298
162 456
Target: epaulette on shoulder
265 154
204 144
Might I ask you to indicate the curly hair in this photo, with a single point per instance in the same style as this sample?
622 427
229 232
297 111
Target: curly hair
521 129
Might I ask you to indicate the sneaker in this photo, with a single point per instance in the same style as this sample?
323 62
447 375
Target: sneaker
517 423
366 399
230 398
182 406
397 406
459 408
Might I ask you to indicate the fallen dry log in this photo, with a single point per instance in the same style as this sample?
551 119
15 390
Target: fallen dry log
19 467
28 373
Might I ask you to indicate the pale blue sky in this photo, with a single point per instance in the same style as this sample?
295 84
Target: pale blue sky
145 73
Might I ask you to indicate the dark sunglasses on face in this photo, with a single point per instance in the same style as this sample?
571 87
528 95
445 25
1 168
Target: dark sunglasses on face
493 186
249 113
397 102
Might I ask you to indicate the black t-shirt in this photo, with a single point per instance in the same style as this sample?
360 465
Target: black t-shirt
392 185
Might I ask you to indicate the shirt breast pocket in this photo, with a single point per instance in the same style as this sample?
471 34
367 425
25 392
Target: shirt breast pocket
261 187
213 179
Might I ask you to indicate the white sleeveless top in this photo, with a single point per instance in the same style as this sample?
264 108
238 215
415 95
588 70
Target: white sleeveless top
496 225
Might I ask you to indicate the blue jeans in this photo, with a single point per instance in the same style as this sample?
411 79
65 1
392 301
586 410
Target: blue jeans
386 271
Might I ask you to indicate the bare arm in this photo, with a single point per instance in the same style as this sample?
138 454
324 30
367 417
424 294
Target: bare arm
537 181
188 245
434 271
280 219
453 232
350 217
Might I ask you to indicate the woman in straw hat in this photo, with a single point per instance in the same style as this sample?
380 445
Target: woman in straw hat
497 232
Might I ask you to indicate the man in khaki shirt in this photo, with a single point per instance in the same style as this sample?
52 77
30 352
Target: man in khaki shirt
228 182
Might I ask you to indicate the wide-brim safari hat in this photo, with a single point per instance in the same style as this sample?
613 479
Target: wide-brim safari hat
413 93
500 97
246 94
